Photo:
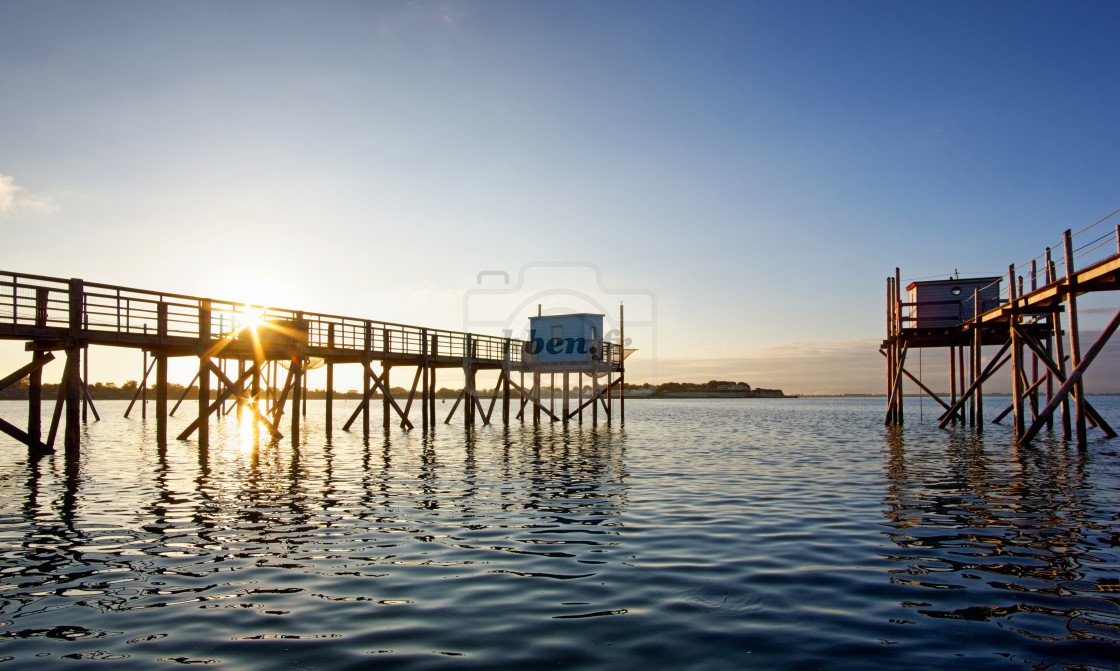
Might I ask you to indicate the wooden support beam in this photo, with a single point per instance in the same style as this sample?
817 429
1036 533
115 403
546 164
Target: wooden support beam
88 402
36 446
1007 411
229 389
24 371
72 435
202 421
186 390
424 417
59 402
994 365
379 385
32 437
535 399
237 390
412 392
140 388
894 404
1074 340
1073 381
924 388
278 407
596 396
161 376
1054 369
494 399
458 399
330 383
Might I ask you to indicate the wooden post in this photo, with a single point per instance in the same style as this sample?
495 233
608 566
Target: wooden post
579 396
161 376
468 383
144 382
386 367
240 373
367 359
433 352
537 394
424 390
297 378
1074 339
953 377
1059 352
35 379
621 368
330 382
565 402
386 399
1017 364
595 396
900 416
890 349
72 375
977 363
204 373
507 369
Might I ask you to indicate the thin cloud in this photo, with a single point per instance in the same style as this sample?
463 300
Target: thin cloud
15 199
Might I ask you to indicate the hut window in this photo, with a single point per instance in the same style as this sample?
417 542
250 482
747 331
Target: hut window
956 291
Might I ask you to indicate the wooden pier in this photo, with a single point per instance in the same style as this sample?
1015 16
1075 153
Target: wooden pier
56 315
1034 323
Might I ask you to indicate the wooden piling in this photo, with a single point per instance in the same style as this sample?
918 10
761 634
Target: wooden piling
161 376
1074 338
204 373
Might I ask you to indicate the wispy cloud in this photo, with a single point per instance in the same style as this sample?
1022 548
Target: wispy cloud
15 199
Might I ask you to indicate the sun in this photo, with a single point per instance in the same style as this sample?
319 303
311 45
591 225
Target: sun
250 317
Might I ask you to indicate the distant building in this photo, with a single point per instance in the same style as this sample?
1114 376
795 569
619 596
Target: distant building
947 303
574 338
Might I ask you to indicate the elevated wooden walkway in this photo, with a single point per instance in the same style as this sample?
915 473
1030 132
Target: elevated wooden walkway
1027 326
55 314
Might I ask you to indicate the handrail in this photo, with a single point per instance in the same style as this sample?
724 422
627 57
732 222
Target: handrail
37 300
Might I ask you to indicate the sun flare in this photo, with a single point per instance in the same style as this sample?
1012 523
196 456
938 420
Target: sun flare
250 318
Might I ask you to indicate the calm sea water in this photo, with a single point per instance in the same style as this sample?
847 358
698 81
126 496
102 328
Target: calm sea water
706 534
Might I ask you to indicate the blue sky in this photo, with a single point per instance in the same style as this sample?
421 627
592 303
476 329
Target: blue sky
745 175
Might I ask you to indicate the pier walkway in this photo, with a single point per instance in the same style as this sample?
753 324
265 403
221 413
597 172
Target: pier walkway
69 315
1026 324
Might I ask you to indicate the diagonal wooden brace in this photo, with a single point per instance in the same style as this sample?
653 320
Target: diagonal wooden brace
238 390
525 394
227 391
1073 379
26 370
603 391
924 388
1094 417
993 365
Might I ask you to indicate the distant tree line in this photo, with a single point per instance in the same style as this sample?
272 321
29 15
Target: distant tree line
128 390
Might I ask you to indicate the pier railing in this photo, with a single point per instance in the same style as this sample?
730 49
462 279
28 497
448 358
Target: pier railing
31 304
1092 245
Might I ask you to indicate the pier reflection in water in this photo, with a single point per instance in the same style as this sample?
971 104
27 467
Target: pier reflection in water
722 534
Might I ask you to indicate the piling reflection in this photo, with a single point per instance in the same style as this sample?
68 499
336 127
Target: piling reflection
157 535
994 532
